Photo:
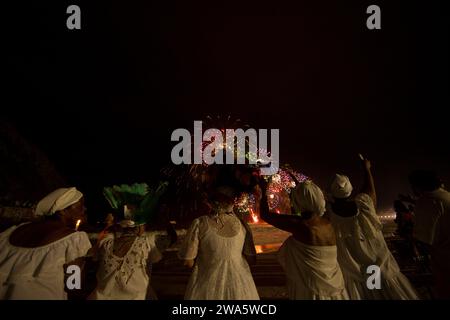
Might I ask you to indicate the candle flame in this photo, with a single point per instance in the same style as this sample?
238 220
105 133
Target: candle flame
78 224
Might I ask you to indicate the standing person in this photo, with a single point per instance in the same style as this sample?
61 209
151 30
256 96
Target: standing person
33 255
432 225
309 256
361 243
125 257
215 248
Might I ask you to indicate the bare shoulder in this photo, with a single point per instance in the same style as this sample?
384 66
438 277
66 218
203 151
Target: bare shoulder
38 234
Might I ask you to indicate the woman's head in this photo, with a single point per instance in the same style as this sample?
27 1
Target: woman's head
64 203
308 199
341 188
222 200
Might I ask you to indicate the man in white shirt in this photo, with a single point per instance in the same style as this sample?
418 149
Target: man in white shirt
432 225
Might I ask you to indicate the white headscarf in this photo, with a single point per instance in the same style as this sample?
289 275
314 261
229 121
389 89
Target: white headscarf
57 200
341 187
308 197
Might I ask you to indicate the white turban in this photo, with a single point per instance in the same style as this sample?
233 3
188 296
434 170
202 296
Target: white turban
57 200
308 197
341 187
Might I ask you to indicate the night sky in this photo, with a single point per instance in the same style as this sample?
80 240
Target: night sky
102 102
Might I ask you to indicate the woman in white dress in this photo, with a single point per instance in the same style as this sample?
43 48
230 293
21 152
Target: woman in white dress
33 255
309 256
124 261
214 248
361 243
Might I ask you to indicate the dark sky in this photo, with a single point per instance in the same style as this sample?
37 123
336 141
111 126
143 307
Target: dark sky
103 101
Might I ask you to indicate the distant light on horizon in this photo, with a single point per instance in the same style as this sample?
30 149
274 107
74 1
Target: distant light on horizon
387 215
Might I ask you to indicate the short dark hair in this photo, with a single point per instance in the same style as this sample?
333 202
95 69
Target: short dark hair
222 194
425 180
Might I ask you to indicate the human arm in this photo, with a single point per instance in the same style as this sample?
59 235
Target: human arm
189 248
284 222
369 184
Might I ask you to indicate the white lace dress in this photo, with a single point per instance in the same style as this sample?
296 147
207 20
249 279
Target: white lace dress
361 243
127 277
38 273
220 271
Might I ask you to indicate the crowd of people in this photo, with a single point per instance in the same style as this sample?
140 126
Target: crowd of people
335 241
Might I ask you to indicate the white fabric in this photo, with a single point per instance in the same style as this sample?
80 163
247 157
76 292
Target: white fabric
312 272
58 200
127 223
38 273
361 243
220 271
432 218
127 277
341 187
308 197
432 226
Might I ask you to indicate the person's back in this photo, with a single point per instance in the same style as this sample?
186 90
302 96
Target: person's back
317 231
360 241
432 225
361 244
34 255
123 270
309 256
221 242
216 244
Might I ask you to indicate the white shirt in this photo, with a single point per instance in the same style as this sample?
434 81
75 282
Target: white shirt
432 218
38 273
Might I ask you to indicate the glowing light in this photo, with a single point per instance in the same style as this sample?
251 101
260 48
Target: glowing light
78 224
254 216
271 196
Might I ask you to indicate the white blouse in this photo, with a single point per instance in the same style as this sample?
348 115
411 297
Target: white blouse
38 273
127 277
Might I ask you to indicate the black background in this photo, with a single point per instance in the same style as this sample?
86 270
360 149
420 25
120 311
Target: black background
102 101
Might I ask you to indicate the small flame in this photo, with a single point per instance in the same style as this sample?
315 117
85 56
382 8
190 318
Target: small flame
258 249
78 224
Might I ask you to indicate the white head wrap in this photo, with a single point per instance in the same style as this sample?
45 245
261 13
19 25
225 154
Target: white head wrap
341 187
307 196
57 200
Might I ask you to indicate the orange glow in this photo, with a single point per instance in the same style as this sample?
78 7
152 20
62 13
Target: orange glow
265 248
254 216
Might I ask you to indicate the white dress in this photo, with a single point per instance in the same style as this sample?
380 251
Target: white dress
432 226
312 272
361 243
127 277
38 273
220 271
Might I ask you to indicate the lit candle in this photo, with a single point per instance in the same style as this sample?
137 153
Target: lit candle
78 224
